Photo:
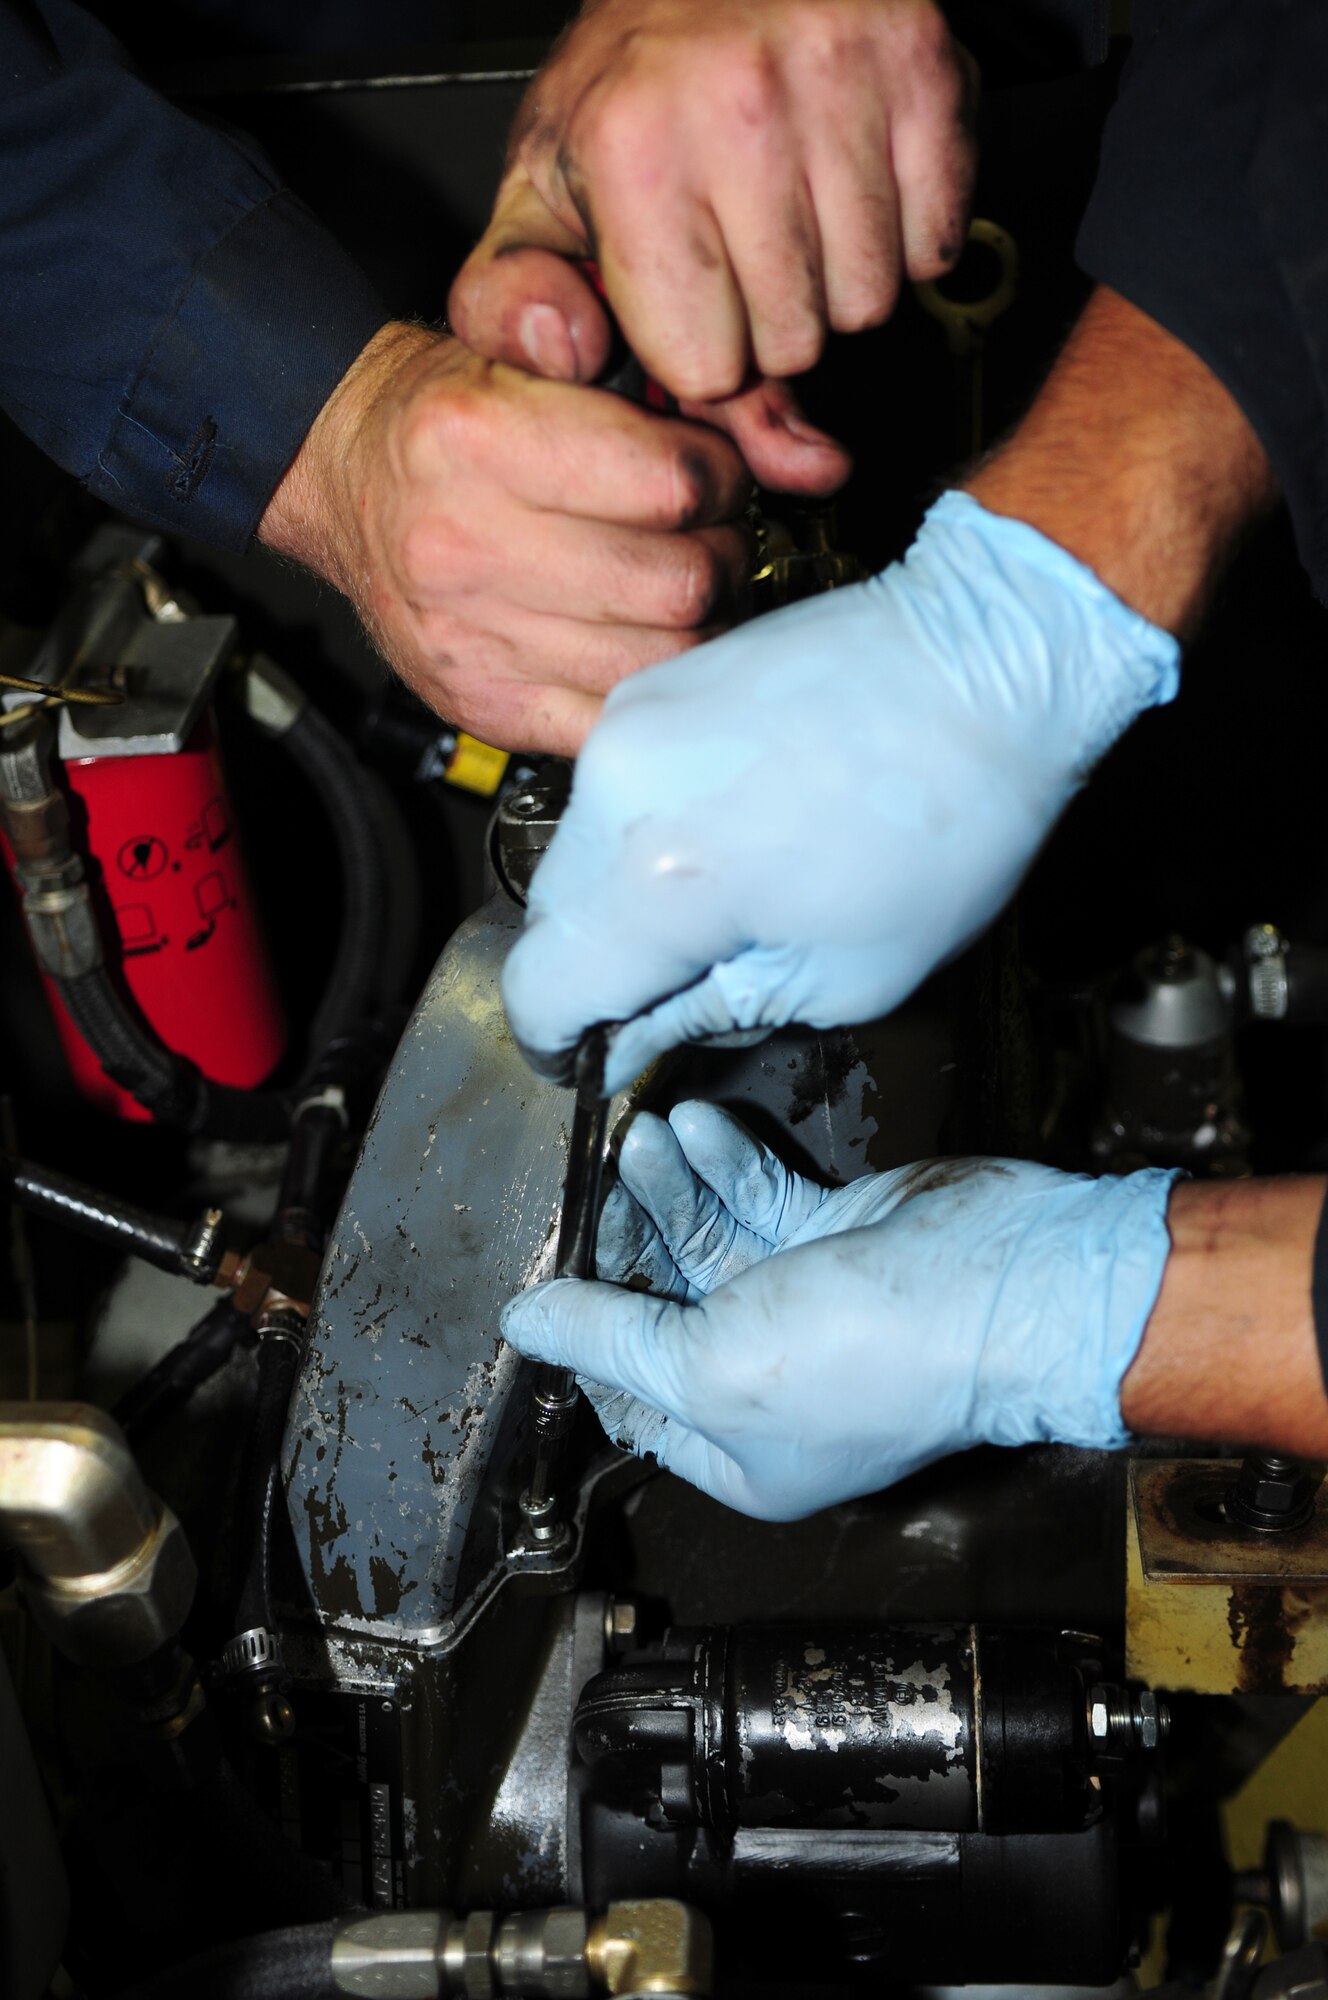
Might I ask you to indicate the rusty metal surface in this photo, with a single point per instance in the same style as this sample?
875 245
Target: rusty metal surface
1182 1531
1213 1611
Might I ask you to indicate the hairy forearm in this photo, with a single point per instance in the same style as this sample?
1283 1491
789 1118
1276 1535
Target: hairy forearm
311 516
1229 1352
1135 459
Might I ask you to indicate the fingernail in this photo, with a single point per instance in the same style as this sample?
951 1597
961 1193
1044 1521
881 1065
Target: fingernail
546 342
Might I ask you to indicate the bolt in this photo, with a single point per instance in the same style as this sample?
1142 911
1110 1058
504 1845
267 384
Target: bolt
1123 1721
1271 1494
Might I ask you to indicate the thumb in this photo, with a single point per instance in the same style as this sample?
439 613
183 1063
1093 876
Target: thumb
782 450
623 1340
518 298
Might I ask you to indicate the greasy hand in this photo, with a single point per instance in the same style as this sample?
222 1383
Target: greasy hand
513 546
799 821
519 299
815 1344
747 172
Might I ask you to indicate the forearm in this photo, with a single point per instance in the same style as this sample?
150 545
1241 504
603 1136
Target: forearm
1135 459
313 516
1229 1352
171 317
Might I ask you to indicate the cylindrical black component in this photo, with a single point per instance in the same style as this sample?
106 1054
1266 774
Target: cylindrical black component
159 1239
277 1965
315 1133
1018 1908
818 1906
172 1381
930 1728
1033 1752
861 1729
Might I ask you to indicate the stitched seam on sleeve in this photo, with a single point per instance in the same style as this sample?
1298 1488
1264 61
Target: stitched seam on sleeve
124 414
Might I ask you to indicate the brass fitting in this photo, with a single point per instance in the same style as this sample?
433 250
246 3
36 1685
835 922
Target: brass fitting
651 1945
107 1571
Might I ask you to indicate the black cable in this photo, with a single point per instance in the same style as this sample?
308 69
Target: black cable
341 783
172 1088
121 1225
170 1383
293 1964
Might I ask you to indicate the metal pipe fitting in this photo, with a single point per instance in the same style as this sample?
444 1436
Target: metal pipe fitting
57 907
106 1570
648 1946
188 1249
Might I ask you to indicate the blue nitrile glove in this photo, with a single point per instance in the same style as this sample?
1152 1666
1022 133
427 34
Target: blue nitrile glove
800 820
817 1343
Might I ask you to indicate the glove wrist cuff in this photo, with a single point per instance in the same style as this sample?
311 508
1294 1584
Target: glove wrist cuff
1082 656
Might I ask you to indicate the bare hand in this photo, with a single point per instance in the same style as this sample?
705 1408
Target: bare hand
748 173
514 547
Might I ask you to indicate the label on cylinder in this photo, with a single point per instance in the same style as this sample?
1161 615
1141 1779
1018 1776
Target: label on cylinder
865 1729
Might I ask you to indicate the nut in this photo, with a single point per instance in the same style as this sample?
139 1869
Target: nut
1147 1720
114 1618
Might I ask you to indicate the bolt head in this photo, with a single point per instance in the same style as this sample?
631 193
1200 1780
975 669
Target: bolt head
1099 1723
1149 1726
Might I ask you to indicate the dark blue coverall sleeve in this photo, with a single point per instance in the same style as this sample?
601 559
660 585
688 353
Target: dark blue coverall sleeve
171 318
1211 215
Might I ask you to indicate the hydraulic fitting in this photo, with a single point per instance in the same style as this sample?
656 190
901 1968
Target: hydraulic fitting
653 1946
105 1568
57 907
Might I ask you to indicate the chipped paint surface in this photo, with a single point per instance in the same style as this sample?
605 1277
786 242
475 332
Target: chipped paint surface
452 1208
897 1718
1213 1611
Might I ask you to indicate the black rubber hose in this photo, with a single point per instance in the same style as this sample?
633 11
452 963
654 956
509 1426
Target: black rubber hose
259 1494
315 1135
276 1965
336 775
170 1383
120 1224
172 1088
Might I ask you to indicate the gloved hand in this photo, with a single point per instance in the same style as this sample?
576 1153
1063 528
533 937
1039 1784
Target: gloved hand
816 1343
800 820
